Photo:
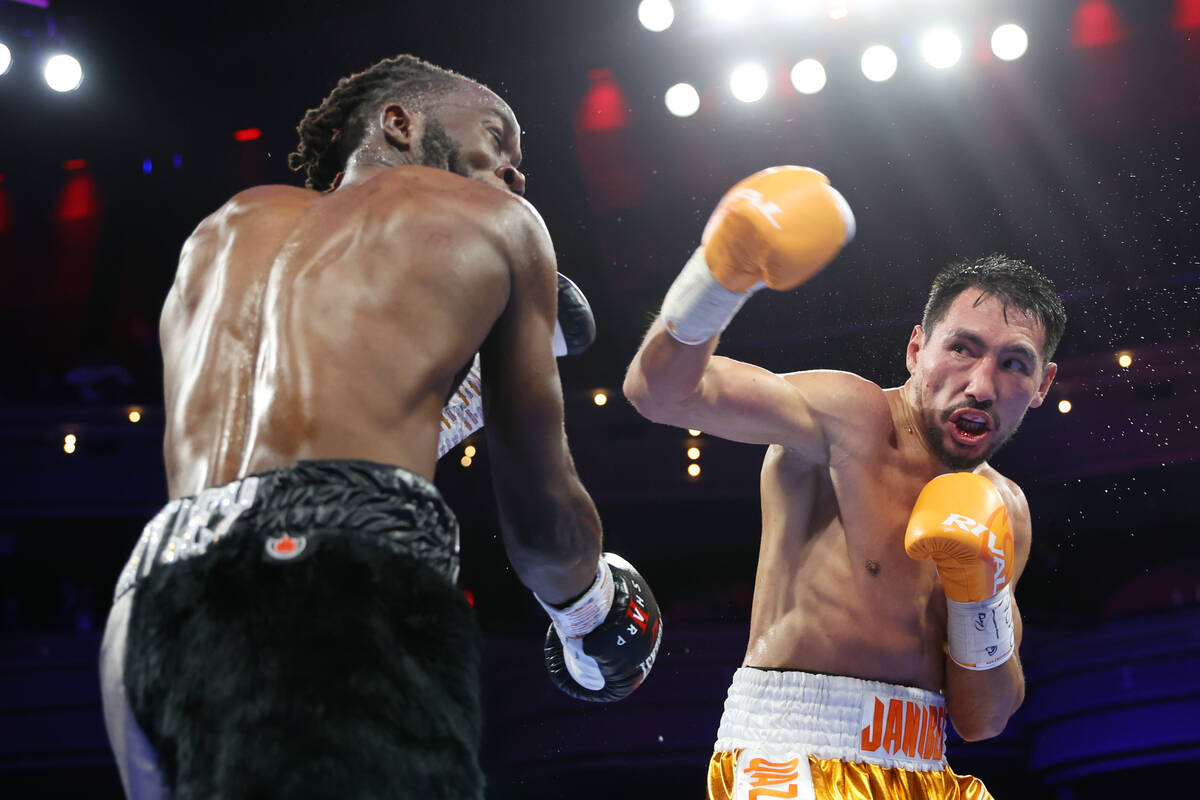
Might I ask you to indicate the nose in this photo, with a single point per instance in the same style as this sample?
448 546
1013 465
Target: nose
981 387
512 178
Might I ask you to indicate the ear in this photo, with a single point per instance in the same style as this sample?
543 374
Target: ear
1047 379
915 342
398 126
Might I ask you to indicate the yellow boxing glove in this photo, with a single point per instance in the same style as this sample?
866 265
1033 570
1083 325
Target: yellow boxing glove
961 522
777 228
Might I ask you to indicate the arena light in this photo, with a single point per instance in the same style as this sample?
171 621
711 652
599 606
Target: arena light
135 416
682 100
1124 360
879 63
693 453
693 469
247 135
5 58
941 47
656 15
808 76
1009 42
469 451
726 10
63 73
69 443
465 461
693 432
748 83
1064 406
147 166
600 398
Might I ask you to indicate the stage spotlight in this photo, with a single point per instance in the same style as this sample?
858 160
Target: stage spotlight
682 100
879 62
748 83
941 47
1064 406
808 76
63 73
1009 42
656 15
5 58
727 10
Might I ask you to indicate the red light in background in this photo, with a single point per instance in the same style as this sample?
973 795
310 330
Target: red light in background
467 593
604 106
247 135
74 164
5 209
1096 24
1186 16
78 199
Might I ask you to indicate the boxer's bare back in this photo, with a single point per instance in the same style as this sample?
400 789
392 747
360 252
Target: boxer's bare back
304 325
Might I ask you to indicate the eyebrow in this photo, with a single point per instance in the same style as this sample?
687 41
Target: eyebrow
976 340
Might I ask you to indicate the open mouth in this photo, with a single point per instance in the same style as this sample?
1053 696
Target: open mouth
969 426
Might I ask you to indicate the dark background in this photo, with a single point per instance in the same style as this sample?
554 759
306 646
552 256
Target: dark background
1081 157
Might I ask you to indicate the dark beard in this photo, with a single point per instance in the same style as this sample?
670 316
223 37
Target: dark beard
438 150
956 462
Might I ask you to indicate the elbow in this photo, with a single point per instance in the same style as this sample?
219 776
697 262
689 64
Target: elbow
976 730
646 402
637 392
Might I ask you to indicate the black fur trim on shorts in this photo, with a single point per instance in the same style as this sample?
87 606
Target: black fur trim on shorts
350 673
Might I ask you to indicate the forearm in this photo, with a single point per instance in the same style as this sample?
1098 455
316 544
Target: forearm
665 372
553 544
980 702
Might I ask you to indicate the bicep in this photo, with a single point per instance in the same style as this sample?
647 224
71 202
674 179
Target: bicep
746 403
522 395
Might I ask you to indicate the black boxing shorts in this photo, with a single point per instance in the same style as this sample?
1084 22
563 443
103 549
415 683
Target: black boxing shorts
296 634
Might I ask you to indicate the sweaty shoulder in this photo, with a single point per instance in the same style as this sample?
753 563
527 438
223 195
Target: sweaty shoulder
851 412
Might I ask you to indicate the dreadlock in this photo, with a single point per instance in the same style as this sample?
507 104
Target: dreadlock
330 132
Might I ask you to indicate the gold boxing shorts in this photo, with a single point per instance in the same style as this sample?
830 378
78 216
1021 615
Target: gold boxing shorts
800 735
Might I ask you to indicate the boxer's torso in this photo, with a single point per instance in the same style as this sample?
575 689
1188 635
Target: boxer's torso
835 591
307 326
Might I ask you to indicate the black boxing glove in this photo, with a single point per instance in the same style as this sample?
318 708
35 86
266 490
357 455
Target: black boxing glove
602 646
576 327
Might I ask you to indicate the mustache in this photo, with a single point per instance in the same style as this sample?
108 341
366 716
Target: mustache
974 406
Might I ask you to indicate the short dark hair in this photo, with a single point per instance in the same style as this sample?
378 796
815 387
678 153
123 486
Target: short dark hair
1009 280
330 132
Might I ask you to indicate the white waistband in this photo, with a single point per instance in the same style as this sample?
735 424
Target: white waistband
832 716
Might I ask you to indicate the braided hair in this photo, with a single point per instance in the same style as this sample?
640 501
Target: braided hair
330 132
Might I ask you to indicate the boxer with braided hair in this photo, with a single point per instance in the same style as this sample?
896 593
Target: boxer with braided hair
288 625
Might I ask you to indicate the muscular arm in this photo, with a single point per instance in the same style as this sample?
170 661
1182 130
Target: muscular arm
550 526
686 385
980 703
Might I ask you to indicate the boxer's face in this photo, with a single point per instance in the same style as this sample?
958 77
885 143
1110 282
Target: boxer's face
976 374
473 133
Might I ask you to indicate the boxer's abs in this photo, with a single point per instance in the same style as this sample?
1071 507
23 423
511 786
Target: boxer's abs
305 326
835 601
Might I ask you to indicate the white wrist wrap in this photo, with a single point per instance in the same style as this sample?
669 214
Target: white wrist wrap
585 614
980 634
463 414
697 307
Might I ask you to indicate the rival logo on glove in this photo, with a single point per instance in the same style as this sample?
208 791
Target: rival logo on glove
977 529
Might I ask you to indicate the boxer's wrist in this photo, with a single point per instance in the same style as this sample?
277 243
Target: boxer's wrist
980 635
581 616
697 307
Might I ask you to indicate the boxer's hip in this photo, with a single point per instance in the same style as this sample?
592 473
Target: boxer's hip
312 606
830 736
291 510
